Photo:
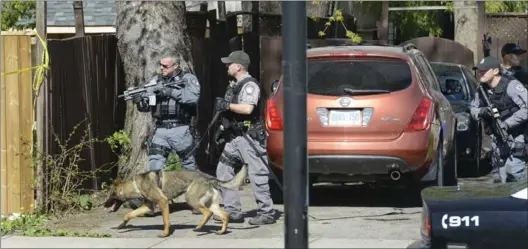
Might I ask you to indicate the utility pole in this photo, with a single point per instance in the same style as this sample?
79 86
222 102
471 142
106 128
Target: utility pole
79 18
295 128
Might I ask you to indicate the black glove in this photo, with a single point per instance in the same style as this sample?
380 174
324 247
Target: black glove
221 105
137 98
485 112
163 92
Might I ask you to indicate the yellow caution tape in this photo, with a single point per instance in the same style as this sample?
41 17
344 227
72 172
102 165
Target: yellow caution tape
38 78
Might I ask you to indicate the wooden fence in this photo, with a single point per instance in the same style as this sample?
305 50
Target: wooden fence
505 28
16 125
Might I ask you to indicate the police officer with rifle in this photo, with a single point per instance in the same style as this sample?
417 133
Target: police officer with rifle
172 97
502 102
243 133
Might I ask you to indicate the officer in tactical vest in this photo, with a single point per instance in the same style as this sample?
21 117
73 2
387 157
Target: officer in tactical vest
174 111
511 66
510 98
244 136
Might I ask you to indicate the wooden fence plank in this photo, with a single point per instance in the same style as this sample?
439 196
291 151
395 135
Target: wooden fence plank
4 132
16 123
13 125
26 123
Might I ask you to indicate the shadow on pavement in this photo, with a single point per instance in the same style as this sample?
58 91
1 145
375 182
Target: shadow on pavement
207 229
364 196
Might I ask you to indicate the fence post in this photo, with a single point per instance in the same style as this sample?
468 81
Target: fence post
41 117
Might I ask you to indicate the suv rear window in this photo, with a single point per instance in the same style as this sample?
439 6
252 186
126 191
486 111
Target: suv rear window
331 77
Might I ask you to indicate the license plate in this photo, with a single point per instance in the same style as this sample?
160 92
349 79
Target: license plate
344 118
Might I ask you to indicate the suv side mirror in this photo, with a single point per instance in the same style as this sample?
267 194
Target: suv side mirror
274 85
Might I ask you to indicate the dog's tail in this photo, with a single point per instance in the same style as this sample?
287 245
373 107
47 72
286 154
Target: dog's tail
237 181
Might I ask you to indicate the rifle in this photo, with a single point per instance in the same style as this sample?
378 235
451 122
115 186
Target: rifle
497 126
486 41
133 91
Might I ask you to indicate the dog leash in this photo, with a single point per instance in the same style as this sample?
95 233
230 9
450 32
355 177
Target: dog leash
213 121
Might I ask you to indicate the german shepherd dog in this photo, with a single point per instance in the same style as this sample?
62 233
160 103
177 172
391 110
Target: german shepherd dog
201 193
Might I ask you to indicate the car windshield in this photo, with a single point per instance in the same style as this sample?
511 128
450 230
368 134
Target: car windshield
352 77
452 82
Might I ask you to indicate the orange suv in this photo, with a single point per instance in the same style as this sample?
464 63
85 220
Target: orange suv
374 113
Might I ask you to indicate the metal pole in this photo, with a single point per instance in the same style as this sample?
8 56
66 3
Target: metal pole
295 131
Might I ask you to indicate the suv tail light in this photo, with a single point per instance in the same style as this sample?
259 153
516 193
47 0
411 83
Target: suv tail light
273 118
422 116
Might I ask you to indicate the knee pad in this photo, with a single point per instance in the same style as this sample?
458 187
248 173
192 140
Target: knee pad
157 149
230 160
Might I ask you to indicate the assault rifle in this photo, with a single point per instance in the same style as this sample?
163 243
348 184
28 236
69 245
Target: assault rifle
486 41
498 127
133 91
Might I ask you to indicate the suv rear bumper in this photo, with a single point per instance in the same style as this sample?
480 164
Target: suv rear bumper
411 152
356 164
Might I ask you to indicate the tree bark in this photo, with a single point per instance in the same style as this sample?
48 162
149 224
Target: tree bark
146 32
313 8
317 8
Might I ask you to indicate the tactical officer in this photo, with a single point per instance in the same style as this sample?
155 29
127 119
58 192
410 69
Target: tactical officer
245 138
511 62
174 108
511 66
174 100
510 98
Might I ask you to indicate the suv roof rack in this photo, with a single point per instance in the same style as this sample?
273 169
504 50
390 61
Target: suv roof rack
408 47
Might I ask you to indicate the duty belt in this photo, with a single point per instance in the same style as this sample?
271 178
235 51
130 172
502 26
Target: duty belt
170 125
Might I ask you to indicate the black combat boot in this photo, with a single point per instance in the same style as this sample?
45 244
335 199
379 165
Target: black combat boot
261 220
239 218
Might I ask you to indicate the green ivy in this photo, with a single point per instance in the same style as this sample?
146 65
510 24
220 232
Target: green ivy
13 11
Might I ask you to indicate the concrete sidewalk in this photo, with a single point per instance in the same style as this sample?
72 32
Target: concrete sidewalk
68 242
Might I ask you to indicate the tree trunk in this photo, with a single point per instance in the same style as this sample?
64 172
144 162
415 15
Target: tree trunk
270 7
317 8
146 32
313 8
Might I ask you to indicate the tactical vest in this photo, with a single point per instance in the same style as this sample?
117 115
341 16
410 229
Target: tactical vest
502 101
234 120
168 110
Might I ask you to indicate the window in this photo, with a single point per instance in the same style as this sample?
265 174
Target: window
331 77
452 81
472 81
428 73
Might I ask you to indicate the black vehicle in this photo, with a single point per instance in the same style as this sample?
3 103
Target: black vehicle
459 85
475 216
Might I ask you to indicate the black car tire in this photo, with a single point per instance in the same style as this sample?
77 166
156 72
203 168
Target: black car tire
447 172
473 167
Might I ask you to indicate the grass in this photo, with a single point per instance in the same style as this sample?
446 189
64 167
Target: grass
34 225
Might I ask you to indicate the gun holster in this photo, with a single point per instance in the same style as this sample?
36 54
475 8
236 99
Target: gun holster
519 149
258 133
